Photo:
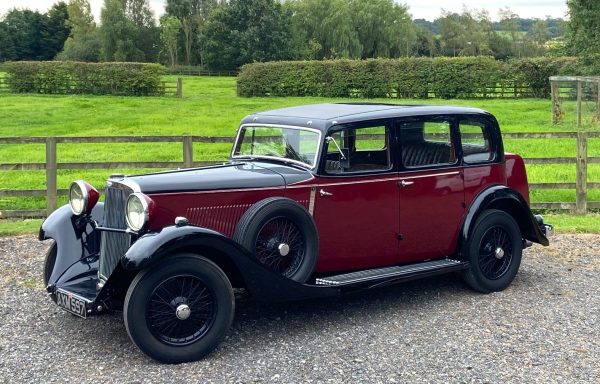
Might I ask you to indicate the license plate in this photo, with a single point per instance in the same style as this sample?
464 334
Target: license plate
71 303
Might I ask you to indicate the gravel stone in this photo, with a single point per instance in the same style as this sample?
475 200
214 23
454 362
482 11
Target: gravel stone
544 328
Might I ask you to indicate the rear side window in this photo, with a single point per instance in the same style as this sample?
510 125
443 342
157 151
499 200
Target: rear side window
426 143
475 140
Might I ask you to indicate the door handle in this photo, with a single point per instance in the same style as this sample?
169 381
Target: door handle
323 192
405 183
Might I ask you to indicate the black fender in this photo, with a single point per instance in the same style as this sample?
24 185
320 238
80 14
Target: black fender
506 199
76 240
235 261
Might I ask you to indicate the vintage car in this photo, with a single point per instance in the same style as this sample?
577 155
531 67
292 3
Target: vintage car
315 201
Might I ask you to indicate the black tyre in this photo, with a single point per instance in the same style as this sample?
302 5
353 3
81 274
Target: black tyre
494 252
282 235
180 309
49 262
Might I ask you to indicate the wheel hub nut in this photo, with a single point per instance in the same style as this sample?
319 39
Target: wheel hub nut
499 253
183 312
284 249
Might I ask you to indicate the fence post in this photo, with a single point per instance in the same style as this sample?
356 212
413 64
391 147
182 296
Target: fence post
179 87
579 92
188 152
51 167
581 183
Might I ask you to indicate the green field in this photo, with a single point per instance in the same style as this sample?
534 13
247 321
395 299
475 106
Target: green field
210 108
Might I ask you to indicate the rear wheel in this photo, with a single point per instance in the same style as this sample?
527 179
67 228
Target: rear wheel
494 252
179 310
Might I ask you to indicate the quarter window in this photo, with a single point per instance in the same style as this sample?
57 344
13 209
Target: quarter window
475 142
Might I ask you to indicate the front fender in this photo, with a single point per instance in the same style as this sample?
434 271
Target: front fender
263 283
75 237
506 199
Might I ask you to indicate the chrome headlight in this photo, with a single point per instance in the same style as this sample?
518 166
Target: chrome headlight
137 211
82 197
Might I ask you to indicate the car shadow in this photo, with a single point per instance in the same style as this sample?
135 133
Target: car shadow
255 321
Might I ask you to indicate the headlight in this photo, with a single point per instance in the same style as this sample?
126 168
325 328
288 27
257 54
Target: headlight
138 211
82 197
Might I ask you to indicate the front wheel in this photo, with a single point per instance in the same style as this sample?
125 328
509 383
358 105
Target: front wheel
179 310
494 251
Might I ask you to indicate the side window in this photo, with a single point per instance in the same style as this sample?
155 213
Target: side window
368 149
426 143
475 141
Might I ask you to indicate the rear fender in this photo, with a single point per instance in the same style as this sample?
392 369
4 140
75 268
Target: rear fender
508 200
241 267
75 237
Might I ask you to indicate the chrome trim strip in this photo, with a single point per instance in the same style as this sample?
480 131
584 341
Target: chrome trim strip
317 154
124 182
430 175
221 190
358 182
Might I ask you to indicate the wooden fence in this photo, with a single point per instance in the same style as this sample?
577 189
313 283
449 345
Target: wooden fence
51 166
200 72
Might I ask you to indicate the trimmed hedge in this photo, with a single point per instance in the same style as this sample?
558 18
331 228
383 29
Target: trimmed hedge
67 77
463 77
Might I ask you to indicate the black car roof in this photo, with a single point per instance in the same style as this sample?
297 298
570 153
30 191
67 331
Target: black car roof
323 116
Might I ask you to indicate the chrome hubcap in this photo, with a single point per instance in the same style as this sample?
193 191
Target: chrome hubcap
499 253
284 249
183 312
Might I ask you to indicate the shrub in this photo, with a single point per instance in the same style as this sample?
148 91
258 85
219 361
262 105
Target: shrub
462 77
67 77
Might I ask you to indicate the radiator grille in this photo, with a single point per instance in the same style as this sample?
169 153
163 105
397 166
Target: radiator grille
113 245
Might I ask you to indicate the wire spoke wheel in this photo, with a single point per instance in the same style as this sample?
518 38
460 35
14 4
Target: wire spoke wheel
495 253
181 310
281 246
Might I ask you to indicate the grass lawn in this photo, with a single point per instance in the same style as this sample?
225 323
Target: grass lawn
211 108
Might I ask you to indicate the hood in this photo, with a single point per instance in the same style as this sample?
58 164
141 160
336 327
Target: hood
225 176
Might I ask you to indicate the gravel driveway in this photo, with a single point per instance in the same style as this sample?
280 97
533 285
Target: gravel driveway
544 328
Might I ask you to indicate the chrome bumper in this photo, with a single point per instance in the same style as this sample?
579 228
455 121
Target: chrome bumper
547 229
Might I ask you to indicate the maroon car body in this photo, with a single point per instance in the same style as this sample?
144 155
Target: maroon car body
315 201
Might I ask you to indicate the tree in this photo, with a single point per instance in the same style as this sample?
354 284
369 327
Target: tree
83 43
7 46
510 24
118 33
243 31
128 31
169 35
147 33
452 33
384 28
325 24
583 32
25 28
56 31
193 15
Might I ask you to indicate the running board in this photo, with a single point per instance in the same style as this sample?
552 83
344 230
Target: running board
403 272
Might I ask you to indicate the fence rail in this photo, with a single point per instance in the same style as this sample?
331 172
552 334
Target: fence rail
51 166
200 72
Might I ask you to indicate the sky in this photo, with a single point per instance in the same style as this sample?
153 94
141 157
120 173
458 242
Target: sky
420 9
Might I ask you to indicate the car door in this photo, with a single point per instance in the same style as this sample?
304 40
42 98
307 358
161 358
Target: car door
431 194
356 207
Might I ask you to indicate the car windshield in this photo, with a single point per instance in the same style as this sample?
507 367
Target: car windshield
279 143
